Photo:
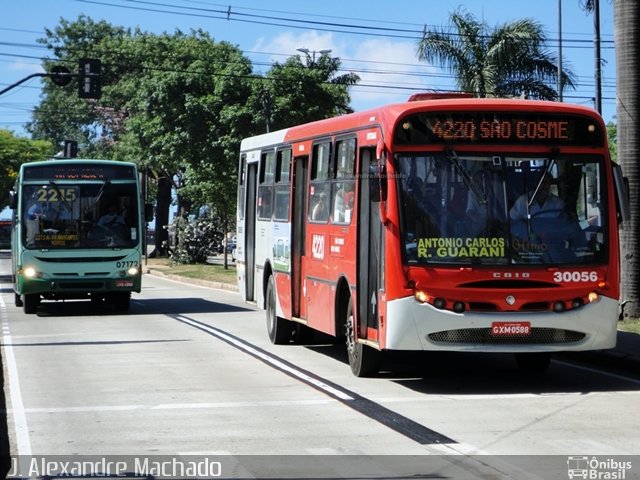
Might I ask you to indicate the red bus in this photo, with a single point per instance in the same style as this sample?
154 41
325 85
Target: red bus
451 224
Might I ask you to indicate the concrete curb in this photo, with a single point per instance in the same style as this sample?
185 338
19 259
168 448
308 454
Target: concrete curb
191 281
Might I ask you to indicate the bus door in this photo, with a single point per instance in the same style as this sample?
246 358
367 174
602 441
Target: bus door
299 220
370 247
250 230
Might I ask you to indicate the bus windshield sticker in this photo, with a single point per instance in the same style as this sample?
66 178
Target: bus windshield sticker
461 247
281 249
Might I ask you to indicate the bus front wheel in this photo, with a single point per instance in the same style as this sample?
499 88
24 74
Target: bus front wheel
280 329
364 361
31 302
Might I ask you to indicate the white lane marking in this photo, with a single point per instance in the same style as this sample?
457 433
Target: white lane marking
601 372
268 359
177 406
23 442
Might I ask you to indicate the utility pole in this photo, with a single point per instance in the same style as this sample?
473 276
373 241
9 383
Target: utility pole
560 50
596 43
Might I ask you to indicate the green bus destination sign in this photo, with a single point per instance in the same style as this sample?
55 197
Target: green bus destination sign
498 128
79 172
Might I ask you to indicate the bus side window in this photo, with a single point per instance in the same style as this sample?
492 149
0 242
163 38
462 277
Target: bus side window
343 186
282 201
320 182
265 187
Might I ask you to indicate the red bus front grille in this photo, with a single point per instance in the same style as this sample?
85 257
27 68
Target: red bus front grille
484 336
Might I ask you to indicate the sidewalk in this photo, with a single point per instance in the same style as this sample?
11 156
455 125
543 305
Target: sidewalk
625 356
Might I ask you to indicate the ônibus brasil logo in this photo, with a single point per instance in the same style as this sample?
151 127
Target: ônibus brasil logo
597 468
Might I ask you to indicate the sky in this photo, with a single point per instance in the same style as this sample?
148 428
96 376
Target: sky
373 38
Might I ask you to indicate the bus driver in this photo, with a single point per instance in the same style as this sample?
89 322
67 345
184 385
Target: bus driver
543 204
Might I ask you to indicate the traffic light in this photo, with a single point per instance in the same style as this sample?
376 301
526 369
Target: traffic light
89 81
60 75
70 149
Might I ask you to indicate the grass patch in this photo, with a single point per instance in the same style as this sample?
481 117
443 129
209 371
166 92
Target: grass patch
201 271
630 325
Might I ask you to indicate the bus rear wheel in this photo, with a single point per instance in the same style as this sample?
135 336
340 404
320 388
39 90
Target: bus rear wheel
533 362
364 361
279 329
31 302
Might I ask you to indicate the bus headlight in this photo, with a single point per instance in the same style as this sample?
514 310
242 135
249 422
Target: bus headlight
30 272
133 271
421 296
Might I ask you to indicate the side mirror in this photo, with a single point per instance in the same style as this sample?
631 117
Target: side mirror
622 194
148 212
377 182
13 200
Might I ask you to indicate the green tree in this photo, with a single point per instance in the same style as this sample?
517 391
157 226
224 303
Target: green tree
509 60
174 103
296 92
187 115
61 115
14 151
612 135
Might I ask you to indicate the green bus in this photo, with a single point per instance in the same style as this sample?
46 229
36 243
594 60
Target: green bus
77 232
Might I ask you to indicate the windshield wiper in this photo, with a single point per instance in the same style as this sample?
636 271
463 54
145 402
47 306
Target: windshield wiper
468 180
101 191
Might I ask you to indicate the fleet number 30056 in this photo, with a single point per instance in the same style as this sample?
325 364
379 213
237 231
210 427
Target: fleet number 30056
566 277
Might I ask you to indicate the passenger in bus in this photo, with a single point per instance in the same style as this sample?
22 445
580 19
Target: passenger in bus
34 215
485 213
47 216
343 203
111 217
112 227
545 203
320 211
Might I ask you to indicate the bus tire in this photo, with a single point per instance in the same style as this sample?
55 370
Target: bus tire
279 329
364 361
536 362
31 302
17 299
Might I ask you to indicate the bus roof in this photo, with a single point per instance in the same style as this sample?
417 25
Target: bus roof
389 114
72 161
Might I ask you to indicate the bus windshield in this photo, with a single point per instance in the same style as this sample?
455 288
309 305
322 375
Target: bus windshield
459 208
95 215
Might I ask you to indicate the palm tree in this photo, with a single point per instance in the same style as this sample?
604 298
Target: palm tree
626 31
509 61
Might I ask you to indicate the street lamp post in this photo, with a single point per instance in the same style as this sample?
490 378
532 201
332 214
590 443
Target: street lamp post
312 53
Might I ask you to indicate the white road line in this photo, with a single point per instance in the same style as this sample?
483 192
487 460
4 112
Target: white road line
601 372
176 406
23 442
